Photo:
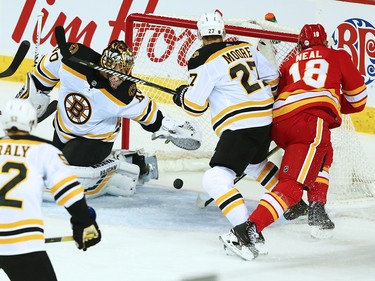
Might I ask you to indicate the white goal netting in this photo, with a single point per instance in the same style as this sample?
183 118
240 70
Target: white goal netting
163 45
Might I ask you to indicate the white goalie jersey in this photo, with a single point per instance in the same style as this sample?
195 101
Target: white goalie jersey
87 106
29 165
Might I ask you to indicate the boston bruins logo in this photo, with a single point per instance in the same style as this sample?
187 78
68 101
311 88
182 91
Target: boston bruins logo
77 108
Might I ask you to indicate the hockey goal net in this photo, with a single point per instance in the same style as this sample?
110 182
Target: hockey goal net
163 45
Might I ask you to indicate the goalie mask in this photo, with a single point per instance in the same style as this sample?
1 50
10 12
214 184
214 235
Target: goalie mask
312 35
210 24
118 57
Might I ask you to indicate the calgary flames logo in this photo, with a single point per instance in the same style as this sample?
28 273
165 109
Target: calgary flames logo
357 37
77 108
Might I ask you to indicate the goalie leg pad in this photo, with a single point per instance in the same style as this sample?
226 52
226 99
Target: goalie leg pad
95 178
124 182
110 176
147 163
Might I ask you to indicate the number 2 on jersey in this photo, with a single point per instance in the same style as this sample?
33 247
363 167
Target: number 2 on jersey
235 71
5 202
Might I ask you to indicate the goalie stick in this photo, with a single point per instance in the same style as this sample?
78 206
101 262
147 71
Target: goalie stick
200 203
17 60
50 109
38 37
61 41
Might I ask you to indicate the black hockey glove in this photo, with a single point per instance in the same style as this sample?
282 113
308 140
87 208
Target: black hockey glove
178 98
85 237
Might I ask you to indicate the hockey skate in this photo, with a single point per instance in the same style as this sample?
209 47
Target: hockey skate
260 244
296 211
241 240
184 135
321 225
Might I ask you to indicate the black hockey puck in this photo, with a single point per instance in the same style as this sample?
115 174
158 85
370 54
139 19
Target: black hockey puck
178 183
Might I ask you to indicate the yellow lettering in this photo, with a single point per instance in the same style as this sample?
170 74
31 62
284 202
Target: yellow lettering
247 49
25 150
8 150
236 54
228 57
16 151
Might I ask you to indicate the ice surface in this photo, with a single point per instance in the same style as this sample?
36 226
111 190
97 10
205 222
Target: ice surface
160 235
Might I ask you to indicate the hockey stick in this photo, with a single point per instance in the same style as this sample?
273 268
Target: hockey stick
200 203
51 108
64 239
17 60
61 41
70 238
38 37
59 239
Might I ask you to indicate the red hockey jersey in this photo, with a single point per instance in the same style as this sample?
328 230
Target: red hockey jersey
322 81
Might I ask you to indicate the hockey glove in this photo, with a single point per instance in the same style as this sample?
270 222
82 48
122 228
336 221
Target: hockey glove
85 237
183 135
179 97
39 99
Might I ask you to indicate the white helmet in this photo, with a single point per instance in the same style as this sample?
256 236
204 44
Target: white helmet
19 113
211 24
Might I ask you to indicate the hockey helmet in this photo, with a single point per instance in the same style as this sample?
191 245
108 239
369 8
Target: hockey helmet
312 35
118 56
211 24
19 114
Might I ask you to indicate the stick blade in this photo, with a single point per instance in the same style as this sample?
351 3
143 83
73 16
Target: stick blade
17 60
61 41
50 109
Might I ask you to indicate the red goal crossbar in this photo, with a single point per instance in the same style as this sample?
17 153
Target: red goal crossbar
153 20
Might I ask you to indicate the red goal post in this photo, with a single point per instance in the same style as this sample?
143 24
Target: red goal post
162 46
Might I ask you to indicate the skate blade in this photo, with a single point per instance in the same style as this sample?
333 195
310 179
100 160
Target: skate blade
322 234
245 253
262 248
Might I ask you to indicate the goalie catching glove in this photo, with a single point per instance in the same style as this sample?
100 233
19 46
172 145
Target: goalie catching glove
39 99
183 135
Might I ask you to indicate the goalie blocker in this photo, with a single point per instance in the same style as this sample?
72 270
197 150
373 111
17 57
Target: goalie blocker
117 175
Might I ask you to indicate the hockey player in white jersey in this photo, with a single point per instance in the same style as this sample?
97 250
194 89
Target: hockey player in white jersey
91 105
236 82
28 165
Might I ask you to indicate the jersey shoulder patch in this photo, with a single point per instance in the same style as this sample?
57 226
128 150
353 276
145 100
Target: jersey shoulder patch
125 92
84 53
